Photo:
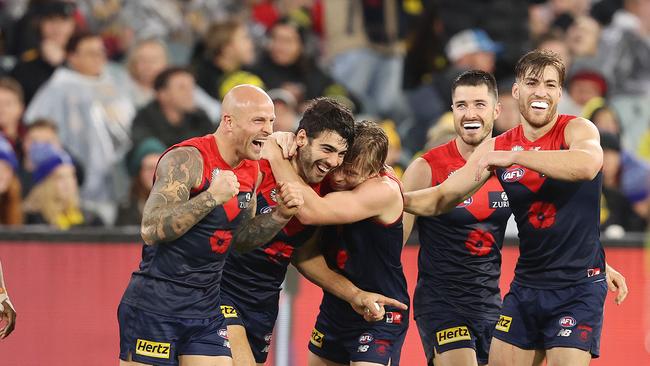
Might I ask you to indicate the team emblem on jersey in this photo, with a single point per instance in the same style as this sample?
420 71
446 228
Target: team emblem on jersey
317 338
465 203
228 311
454 334
498 200
223 333
266 210
517 148
512 175
274 195
152 349
504 323
567 322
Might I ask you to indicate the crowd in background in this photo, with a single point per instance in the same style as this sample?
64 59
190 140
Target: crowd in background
92 92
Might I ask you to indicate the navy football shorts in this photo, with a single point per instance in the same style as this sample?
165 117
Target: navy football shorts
445 331
258 322
359 341
159 340
542 319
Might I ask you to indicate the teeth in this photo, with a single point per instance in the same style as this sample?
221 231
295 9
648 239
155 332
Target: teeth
321 168
542 105
472 125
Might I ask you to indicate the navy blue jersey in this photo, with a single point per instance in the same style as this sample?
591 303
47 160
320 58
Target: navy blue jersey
558 221
368 253
255 277
181 278
459 263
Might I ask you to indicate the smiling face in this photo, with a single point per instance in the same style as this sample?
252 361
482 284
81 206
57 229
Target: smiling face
474 109
538 95
318 156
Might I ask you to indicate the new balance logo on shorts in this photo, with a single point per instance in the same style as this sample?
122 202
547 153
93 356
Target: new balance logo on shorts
317 338
504 323
228 311
455 334
152 349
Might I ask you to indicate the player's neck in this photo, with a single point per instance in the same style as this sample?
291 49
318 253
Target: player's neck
227 150
296 167
464 149
532 133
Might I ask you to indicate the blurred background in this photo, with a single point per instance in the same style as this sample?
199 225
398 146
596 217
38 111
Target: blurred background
93 91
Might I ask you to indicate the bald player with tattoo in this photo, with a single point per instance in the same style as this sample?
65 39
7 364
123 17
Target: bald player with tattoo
202 204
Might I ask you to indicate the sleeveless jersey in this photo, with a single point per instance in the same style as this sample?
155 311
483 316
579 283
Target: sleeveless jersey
459 262
368 253
558 221
182 278
256 277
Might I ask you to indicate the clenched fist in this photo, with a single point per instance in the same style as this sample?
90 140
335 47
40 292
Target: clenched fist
289 199
224 186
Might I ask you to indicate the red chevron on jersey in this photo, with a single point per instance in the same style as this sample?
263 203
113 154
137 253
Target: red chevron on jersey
482 211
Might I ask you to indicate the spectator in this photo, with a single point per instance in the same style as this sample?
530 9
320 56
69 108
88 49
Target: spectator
141 167
10 191
147 60
56 25
618 211
172 116
286 65
228 51
11 112
606 120
286 110
585 88
93 118
509 116
54 199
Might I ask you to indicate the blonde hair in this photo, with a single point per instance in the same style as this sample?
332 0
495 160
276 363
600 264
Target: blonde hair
61 212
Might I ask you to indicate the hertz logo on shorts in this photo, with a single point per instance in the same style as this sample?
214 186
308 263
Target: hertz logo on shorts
504 323
317 338
453 335
228 311
152 349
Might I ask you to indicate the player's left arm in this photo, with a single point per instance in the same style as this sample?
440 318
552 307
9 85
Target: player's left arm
258 230
582 161
366 200
616 283
310 262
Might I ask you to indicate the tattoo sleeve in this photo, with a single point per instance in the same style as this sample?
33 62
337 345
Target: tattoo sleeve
257 230
169 212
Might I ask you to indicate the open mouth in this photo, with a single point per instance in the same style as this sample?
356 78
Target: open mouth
322 168
539 106
472 125
259 143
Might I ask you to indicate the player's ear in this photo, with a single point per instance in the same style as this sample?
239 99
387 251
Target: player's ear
515 91
301 137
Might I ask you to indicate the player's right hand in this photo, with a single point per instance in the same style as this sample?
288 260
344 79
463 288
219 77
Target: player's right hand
8 314
371 305
224 186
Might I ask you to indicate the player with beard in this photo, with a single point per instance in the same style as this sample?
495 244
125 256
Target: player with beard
252 281
457 298
365 247
550 168
202 203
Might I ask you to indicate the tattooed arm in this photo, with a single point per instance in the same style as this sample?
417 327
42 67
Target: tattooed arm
169 212
258 230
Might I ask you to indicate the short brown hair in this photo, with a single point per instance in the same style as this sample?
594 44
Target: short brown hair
369 150
536 61
13 86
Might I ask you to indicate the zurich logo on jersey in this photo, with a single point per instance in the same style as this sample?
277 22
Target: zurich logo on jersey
512 175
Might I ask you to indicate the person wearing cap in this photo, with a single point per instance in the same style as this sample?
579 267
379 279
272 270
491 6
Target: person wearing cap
55 27
141 167
10 188
54 198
